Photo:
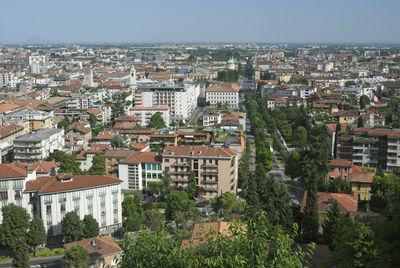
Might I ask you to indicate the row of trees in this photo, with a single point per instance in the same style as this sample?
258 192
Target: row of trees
228 76
73 229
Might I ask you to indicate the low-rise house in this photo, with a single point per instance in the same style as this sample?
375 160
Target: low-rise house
342 168
105 136
346 116
39 145
138 170
85 158
45 168
50 198
159 141
37 119
347 202
360 184
77 136
211 118
103 251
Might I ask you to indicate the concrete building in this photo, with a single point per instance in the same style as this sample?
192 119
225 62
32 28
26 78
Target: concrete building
36 119
223 94
211 118
50 198
39 145
182 100
5 77
145 113
88 78
138 170
216 168
7 136
112 157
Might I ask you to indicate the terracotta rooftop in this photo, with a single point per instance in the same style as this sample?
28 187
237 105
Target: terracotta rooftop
140 157
223 87
106 135
12 170
374 131
199 151
118 153
157 107
97 148
366 177
9 130
52 184
44 167
97 246
127 118
140 146
340 163
347 202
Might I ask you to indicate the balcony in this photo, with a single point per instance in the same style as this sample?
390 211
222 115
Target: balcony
208 172
186 172
180 180
392 150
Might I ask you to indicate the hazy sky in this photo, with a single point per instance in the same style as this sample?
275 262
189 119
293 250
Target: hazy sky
200 21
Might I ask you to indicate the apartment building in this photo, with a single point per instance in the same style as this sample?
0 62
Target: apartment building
216 168
138 170
38 145
36 119
223 93
182 100
50 198
211 118
5 77
7 136
13 178
145 113
112 157
371 147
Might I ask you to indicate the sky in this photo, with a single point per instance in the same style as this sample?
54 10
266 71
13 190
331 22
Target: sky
160 21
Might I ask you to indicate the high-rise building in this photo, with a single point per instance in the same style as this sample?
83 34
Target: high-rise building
88 78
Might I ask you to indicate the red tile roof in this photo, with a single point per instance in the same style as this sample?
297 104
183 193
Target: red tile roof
199 151
44 167
52 184
12 170
97 148
223 87
340 163
347 202
97 246
9 130
140 157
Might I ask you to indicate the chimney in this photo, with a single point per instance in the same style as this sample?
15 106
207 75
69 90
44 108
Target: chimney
93 242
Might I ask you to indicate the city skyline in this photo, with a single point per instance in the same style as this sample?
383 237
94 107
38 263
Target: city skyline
221 21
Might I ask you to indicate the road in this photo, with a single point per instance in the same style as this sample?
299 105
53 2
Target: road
49 262
195 116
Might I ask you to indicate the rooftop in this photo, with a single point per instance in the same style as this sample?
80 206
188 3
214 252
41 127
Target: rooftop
199 151
39 135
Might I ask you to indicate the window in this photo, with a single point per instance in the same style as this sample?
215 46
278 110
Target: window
89 193
3 185
76 195
102 201
103 211
62 197
62 208
102 191
49 220
76 205
18 184
154 167
48 209
166 160
90 203
18 202
115 208
159 167
148 166
48 198
114 188
115 198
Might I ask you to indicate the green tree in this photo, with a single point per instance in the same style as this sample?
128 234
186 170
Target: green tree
166 187
118 142
132 216
300 137
180 208
117 110
15 225
192 186
77 257
292 165
71 227
339 185
156 121
64 123
68 163
310 218
226 204
21 257
330 223
98 165
354 247
153 219
90 227
36 234
364 101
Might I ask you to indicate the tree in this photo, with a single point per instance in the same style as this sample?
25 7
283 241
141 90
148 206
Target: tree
354 247
339 185
68 163
117 110
360 122
132 216
300 137
90 227
20 256
166 187
77 257
14 226
117 142
64 123
36 235
71 227
98 165
180 209
226 204
310 219
330 223
364 100
192 186
153 219
156 121
292 165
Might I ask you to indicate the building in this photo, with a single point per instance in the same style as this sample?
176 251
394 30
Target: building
7 136
215 168
138 170
371 147
88 78
5 77
112 157
181 100
211 118
145 113
347 202
37 119
13 178
159 141
50 198
38 145
223 94
103 251
77 136
346 116
360 185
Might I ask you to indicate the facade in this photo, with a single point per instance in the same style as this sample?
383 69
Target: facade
5 77
216 168
138 170
360 184
88 78
50 198
370 147
7 136
77 136
37 119
223 93
211 118
145 113
112 157
39 145
181 100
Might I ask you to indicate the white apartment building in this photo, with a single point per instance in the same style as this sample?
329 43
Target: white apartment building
223 93
145 113
5 77
50 198
139 169
211 118
307 92
38 145
182 100
13 179
88 78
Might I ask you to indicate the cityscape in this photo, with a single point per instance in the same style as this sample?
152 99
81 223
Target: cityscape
149 151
